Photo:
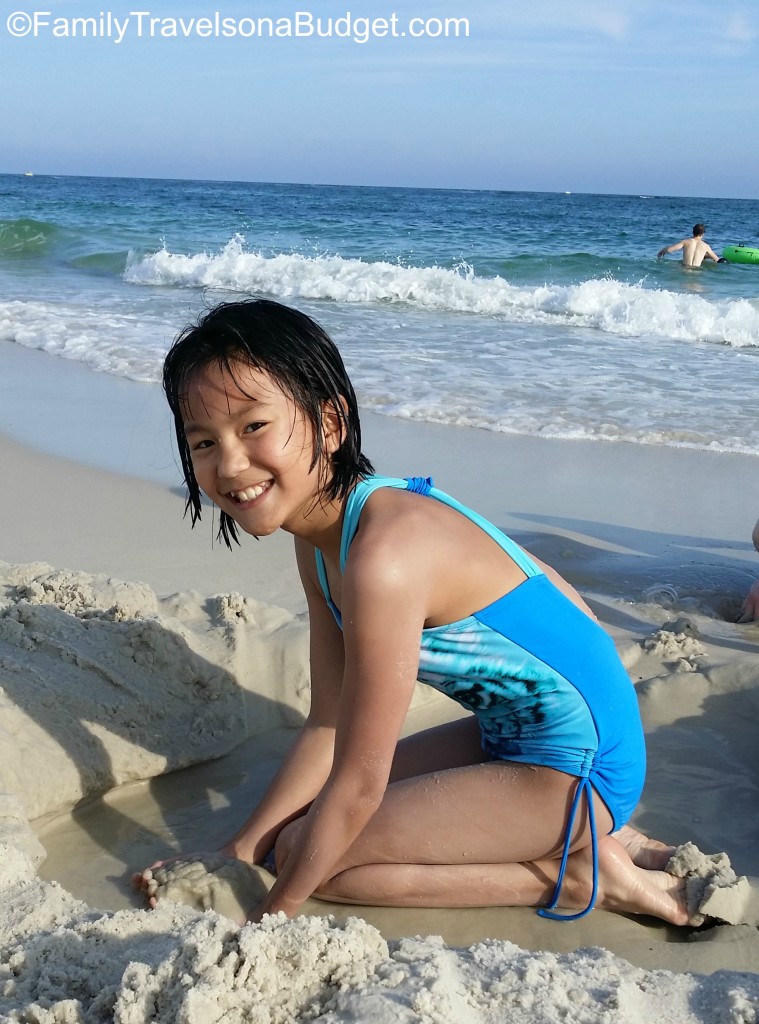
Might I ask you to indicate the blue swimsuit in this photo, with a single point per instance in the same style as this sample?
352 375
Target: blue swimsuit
543 679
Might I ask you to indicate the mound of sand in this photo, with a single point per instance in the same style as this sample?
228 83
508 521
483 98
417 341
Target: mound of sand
103 683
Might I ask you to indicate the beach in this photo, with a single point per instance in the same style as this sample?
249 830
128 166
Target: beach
151 680
528 352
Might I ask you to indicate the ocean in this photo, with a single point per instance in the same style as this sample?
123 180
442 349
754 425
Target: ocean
529 313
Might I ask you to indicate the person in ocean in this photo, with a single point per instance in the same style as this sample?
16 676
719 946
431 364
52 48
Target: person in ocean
695 249
523 801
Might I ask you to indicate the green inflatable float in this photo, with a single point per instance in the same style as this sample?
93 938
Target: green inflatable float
740 254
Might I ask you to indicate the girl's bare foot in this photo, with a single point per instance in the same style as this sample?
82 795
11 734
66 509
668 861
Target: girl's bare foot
623 886
644 852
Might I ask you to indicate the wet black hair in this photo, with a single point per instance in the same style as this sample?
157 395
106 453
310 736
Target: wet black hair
300 358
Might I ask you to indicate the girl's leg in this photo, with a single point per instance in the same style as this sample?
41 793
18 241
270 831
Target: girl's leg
623 887
489 834
451 745
492 813
458 743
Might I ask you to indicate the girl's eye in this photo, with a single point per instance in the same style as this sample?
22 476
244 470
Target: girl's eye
251 427
201 445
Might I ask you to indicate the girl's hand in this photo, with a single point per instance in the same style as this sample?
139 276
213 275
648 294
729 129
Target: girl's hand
254 917
232 887
144 882
750 610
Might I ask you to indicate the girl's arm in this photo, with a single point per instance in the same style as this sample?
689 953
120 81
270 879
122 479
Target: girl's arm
309 761
383 611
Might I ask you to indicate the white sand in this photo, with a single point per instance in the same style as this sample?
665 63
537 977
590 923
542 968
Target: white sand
106 683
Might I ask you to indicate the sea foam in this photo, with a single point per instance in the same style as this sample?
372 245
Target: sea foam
605 304
112 342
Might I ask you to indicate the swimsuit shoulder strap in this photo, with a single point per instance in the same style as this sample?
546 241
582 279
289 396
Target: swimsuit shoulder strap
420 485
354 506
351 514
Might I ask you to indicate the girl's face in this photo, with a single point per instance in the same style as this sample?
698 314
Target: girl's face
251 449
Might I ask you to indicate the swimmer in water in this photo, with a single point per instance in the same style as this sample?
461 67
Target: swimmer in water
695 250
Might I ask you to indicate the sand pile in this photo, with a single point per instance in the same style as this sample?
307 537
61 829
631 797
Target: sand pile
103 683
60 962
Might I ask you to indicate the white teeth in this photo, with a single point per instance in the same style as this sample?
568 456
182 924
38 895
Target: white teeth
250 493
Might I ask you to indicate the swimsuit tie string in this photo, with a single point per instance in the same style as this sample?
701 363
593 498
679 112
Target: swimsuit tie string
548 912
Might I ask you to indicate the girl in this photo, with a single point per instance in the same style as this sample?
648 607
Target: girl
523 802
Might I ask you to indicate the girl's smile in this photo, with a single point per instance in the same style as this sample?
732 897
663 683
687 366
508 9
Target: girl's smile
252 452
250 494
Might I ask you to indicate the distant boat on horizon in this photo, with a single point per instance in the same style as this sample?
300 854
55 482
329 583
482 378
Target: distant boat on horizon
28 174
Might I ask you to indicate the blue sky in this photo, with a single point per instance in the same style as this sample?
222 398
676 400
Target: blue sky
579 95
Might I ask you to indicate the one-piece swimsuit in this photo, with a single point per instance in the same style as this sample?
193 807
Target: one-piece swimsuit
542 678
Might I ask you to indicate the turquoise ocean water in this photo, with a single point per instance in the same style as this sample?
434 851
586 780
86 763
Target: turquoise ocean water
532 313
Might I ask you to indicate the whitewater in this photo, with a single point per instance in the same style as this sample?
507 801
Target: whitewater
513 312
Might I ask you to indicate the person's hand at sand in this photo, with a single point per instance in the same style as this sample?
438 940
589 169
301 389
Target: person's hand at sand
150 880
212 881
300 776
238 855
750 609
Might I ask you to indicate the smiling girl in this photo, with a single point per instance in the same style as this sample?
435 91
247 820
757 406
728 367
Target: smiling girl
522 802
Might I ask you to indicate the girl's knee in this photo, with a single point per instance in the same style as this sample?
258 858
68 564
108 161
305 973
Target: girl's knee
285 841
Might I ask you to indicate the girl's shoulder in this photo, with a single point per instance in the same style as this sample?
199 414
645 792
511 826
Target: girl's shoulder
390 509
389 565
396 526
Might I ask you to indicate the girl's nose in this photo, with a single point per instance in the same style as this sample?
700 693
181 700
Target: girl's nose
233 460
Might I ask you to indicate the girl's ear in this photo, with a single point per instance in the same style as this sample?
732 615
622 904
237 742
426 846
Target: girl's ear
333 430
